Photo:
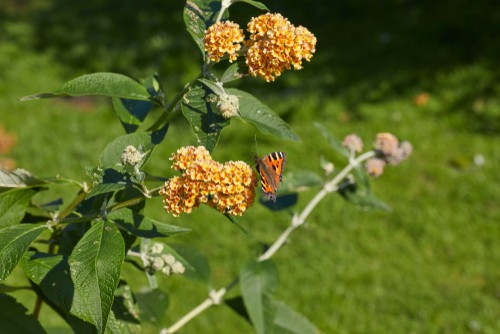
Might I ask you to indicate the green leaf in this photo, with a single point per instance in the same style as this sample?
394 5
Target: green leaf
360 193
199 267
262 117
19 178
152 305
95 267
14 318
302 180
142 226
213 86
259 281
13 205
235 221
131 113
126 309
142 141
287 321
51 274
103 188
257 4
205 120
14 242
198 16
232 73
335 143
102 83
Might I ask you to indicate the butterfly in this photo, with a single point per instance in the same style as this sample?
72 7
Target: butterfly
270 168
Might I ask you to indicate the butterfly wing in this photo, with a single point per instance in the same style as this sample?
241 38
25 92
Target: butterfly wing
270 169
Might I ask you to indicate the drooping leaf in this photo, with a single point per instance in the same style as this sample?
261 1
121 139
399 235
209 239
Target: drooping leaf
14 242
335 143
257 4
19 178
145 141
288 321
51 274
262 117
13 205
198 16
259 281
205 121
95 267
302 181
14 317
143 226
101 83
232 73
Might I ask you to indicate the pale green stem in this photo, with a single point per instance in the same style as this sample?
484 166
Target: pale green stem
297 220
224 5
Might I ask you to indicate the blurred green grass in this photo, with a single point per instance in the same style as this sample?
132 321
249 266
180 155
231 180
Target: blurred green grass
428 266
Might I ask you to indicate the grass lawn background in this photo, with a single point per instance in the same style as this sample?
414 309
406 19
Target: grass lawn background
428 266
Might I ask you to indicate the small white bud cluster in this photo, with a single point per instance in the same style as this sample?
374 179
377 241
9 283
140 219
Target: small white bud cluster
228 105
131 156
155 260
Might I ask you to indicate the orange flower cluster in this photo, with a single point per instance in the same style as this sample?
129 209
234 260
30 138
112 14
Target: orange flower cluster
276 45
221 38
229 187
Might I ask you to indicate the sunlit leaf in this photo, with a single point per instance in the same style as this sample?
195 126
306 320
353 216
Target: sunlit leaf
213 86
257 4
261 116
14 242
205 120
19 178
103 188
259 281
335 143
145 141
232 73
102 83
143 226
95 266
198 16
288 321
302 181
13 205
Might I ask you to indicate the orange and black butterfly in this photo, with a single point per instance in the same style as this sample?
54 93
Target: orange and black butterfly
270 168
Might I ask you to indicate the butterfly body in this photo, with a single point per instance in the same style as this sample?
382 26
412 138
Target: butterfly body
270 168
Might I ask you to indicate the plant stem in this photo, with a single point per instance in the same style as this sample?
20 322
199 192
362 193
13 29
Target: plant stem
167 112
224 5
297 221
